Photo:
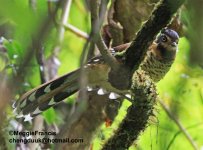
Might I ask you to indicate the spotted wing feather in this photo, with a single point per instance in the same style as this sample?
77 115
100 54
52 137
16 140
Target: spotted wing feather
48 94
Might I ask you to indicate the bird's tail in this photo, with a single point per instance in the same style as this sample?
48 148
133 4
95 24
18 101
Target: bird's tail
48 94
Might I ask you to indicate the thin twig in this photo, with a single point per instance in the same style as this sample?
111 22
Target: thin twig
96 25
76 31
64 19
116 30
41 62
180 126
61 27
179 132
105 53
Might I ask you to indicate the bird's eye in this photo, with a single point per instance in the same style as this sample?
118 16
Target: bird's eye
164 39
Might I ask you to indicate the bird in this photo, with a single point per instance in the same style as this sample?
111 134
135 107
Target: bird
157 62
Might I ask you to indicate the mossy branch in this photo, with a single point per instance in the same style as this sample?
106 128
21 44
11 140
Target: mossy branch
137 115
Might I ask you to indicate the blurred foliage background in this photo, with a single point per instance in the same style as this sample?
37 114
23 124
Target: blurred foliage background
181 90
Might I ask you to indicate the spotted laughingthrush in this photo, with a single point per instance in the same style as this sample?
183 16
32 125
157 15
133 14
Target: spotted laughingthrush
157 62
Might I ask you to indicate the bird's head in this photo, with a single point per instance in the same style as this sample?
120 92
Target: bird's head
167 43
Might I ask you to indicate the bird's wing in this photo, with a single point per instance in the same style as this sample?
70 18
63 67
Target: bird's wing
48 94
56 90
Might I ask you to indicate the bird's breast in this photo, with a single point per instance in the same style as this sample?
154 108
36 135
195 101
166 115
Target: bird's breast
154 67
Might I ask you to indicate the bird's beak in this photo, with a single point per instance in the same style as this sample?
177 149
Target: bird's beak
173 44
